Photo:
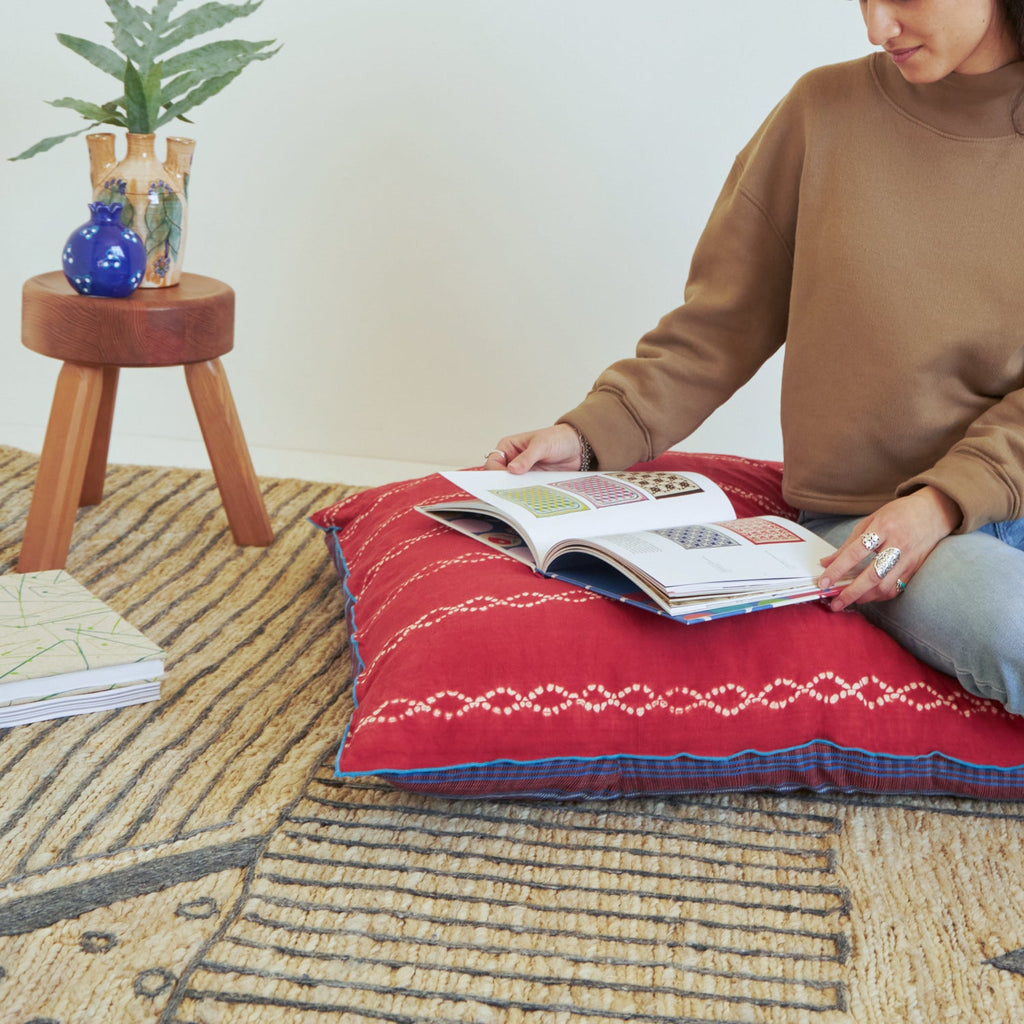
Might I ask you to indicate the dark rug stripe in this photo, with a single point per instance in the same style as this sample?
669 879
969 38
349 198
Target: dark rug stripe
29 913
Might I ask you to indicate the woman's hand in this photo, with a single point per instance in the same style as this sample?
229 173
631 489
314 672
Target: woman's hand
555 448
911 525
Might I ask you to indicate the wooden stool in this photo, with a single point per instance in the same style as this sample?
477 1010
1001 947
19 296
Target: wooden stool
190 325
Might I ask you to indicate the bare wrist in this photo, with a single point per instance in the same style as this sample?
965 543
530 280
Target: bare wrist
947 512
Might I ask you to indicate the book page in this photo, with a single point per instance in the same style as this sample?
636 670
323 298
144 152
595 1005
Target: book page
740 556
549 507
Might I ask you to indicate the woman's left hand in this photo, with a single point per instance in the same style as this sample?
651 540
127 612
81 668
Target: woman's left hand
911 525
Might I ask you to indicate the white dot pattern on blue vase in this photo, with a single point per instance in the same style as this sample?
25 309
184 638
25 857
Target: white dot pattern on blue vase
103 257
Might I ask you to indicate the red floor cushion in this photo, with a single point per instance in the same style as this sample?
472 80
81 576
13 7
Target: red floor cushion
474 676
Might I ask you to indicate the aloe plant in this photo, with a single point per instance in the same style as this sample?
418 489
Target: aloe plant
158 85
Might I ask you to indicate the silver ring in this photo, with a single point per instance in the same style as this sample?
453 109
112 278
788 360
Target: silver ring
495 451
885 560
870 540
900 587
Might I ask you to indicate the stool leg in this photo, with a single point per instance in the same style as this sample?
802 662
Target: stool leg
229 456
96 467
58 489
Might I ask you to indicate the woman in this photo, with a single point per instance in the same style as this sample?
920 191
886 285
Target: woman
875 224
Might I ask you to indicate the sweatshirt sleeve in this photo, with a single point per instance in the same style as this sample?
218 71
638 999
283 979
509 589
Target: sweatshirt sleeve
734 316
984 471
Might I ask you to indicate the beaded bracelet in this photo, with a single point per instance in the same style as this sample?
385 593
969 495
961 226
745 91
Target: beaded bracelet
586 453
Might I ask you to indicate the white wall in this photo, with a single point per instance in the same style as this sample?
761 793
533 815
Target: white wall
442 217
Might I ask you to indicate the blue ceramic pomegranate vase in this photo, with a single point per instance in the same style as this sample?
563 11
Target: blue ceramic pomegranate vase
104 258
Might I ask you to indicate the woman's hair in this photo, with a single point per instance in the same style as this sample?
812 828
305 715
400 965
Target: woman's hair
1015 15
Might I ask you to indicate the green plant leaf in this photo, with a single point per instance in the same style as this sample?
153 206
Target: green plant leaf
129 46
179 86
206 70
101 57
209 88
107 114
140 38
213 59
129 18
43 145
115 111
132 33
136 103
151 88
203 19
161 14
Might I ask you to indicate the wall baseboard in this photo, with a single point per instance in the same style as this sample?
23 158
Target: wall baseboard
325 467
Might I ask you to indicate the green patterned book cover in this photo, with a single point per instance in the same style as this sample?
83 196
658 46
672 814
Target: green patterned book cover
63 651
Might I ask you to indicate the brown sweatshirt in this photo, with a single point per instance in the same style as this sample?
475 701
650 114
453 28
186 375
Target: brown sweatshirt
877 229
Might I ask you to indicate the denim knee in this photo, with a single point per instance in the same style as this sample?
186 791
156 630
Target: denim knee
963 609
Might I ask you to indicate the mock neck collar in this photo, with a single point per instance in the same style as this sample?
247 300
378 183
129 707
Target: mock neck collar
984 106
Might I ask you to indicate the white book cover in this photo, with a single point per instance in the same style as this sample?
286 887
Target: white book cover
56 637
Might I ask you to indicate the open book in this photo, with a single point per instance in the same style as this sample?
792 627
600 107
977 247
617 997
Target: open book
666 541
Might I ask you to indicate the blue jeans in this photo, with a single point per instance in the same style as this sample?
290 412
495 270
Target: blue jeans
963 611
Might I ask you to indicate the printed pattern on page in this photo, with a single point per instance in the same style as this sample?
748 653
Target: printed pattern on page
658 483
542 501
763 531
694 537
602 491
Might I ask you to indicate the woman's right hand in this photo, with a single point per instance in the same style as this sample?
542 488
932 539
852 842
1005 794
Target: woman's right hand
554 448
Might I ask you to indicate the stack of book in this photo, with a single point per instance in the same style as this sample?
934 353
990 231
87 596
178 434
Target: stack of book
64 652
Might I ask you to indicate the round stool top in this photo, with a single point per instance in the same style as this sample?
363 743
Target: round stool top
189 322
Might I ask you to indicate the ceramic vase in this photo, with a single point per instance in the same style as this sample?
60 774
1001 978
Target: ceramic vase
103 257
153 197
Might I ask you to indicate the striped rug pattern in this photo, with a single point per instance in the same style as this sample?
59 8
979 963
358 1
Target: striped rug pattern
193 861
599 913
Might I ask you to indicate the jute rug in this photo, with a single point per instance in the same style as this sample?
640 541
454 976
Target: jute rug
193 861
